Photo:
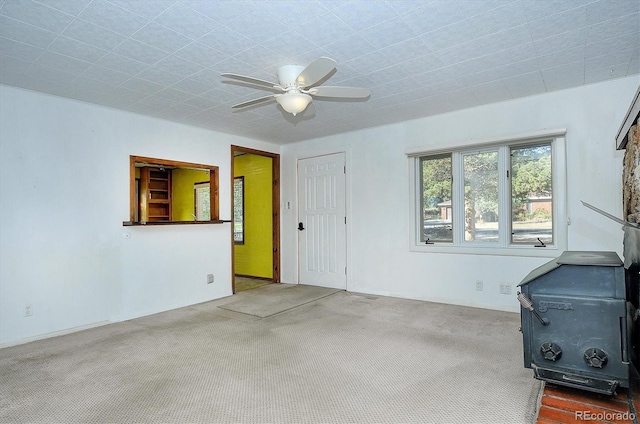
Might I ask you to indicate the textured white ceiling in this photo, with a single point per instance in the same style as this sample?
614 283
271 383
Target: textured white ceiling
164 58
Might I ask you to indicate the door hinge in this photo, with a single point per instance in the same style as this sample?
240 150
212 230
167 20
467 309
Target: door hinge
345 270
344 169
345 220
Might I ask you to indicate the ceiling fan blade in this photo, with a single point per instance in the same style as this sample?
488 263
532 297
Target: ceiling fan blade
340 92
254 101
252 80
316 70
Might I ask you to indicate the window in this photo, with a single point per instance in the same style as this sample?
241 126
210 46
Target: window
202 201
481 205
531 195
495 198
238 210
436 198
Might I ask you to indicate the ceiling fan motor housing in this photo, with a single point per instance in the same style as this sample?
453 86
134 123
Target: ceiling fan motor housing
288 74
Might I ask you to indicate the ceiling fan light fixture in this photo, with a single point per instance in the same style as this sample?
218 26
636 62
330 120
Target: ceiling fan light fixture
294 103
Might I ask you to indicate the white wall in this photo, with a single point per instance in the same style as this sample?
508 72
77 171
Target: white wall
379 260
64 193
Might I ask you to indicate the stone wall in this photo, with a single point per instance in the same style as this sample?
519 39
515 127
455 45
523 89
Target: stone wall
631 196
631 176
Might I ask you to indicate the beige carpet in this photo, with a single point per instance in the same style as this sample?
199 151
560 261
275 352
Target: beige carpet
344 358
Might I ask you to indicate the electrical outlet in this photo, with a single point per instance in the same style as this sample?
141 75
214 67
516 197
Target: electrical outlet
28 310
209 278
505 289
479 285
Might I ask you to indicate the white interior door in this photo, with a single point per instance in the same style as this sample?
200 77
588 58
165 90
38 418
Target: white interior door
322 236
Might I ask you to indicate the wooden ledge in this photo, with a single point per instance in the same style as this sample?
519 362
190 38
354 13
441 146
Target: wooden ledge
156 223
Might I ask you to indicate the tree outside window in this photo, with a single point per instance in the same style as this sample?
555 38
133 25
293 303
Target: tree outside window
437 209
481 196
531 194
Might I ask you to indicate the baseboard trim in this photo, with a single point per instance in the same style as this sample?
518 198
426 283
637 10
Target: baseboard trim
54 334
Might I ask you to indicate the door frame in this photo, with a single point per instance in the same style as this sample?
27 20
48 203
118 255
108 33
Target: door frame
275 209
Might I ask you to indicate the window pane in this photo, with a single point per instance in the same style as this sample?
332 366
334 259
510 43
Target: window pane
481 197
203 202
436 198
238 210
531 195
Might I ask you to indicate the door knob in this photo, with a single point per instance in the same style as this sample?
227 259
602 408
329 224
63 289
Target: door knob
300 226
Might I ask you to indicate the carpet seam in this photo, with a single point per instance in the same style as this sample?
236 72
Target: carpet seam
279 312
302 304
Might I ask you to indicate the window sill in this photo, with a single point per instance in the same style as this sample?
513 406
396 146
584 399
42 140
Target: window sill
155 223
527 251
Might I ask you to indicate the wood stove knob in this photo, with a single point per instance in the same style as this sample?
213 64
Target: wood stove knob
550 351
595 358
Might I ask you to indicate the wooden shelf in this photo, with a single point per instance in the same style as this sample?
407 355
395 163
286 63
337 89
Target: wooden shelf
155 195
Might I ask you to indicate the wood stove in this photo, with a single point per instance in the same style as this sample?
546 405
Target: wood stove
579 323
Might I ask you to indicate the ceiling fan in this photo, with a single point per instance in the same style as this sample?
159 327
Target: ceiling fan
297 86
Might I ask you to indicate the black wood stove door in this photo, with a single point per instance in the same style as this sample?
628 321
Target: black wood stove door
586 336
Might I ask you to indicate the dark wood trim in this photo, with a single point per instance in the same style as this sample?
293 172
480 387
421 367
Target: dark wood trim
214 187
275 208
169 162
132 188
233 244
247 150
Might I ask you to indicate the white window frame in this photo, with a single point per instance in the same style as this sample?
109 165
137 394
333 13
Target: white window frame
197 188
503 247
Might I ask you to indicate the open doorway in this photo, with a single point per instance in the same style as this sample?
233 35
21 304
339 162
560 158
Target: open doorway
256 218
